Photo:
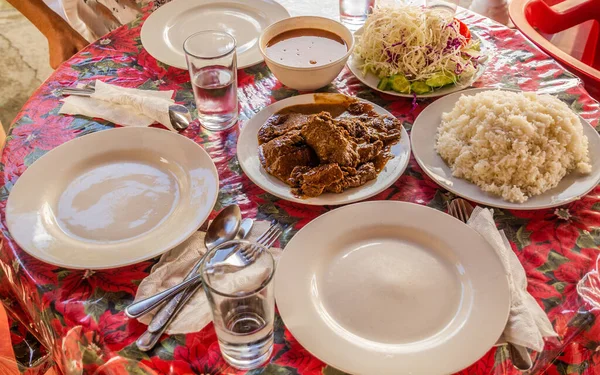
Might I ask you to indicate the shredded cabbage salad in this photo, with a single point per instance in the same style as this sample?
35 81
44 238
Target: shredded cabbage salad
415 49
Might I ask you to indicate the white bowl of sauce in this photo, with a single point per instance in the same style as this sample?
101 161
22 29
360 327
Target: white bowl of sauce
306 53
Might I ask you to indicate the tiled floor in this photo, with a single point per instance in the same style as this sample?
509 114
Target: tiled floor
23 61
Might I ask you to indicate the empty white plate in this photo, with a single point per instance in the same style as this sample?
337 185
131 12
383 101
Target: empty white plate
392 288
423 137
164 32
247 152
112 198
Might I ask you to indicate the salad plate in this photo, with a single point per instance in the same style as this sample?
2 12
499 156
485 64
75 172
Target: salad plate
130 194
389 287
371 80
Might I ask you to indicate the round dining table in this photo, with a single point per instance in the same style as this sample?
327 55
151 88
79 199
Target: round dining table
78 315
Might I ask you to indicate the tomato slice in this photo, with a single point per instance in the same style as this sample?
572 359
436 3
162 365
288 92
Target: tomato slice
464 30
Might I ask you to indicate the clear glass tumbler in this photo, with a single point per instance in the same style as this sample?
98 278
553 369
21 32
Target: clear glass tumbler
446 7
242 303
212 63
353 13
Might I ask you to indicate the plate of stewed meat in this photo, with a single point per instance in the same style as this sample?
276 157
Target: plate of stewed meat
323 149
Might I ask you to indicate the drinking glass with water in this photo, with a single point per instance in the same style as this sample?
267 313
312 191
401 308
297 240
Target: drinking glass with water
211 60
353 13
445 7
243 305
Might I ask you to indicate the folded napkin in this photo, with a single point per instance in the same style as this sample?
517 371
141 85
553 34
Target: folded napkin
527 323
173 267
122 105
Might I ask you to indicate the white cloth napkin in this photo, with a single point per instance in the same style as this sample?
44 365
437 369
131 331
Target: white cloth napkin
527 323
122 105
173 267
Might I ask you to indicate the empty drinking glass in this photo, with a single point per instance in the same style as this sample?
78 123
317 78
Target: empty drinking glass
353 13
212 63
242 303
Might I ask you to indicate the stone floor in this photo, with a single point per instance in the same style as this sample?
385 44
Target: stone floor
23 61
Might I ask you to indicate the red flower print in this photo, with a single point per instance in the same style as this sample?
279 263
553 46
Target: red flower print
483 366
166 78
84 283
245 79
123 40
412 189
166 367
574 270
539 289
299 211
41 273
202 353
74 314
118 331
299 358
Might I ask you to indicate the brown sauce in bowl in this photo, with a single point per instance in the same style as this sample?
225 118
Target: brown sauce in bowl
303 48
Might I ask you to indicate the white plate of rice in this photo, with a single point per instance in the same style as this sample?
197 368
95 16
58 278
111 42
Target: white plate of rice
507 150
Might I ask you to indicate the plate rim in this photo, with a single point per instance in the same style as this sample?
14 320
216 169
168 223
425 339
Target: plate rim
495 201
150 44
434 94
320 201
182 238
341 364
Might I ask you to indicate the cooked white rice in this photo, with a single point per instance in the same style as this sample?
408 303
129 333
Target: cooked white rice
515 145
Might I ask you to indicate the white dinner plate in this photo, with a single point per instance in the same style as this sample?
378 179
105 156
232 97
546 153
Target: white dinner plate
371 80
164 32
247 152
112 198
423 136
390 287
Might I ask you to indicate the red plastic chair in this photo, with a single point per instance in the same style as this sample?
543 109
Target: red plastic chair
539 20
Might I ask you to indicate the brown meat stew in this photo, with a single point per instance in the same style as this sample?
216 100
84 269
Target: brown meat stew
327 147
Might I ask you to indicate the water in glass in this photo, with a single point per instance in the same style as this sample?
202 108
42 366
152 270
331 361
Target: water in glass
353 13
212 63
216 97
246 332
243 306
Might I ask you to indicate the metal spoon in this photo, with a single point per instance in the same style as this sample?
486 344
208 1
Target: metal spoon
178 115
149 338
222 229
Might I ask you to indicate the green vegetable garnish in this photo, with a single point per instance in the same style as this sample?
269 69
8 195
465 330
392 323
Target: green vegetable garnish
441 79
400 84
384 84
420 87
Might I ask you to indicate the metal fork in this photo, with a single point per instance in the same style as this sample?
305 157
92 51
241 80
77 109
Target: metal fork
248 255
148 339
462 210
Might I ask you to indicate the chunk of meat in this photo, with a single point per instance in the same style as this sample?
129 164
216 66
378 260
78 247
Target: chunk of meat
359 108
281 155
353 177
369 151
312 182
279 124
384 128
331 142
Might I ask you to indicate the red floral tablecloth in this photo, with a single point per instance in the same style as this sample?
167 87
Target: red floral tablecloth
79 315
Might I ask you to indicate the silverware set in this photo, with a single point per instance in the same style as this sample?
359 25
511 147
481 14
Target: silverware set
179 115
226 226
